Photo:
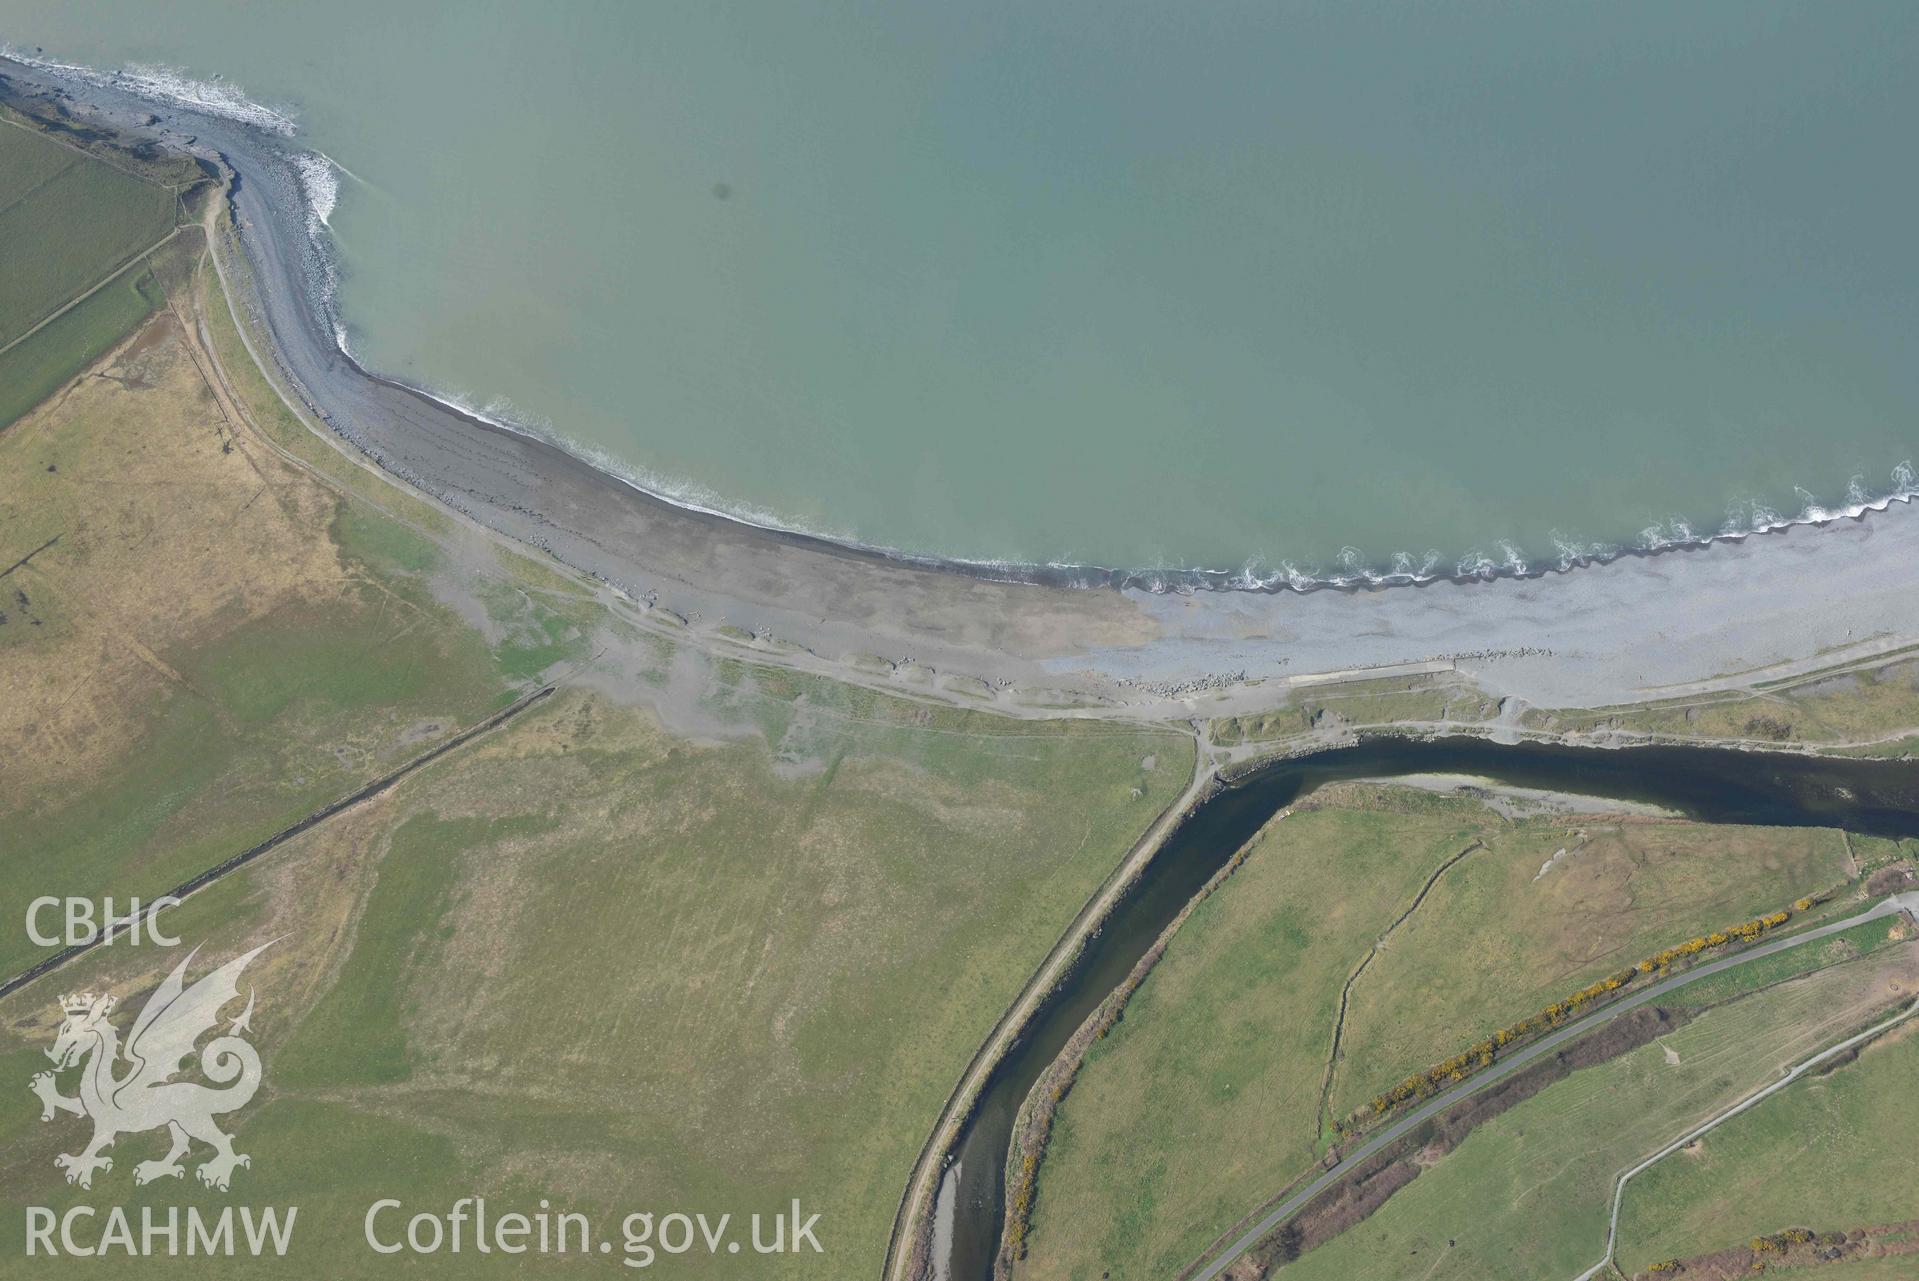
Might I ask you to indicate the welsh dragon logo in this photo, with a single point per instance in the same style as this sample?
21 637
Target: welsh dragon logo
144 1096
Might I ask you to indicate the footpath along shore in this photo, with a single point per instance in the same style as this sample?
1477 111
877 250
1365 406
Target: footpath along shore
1599 634
1640 627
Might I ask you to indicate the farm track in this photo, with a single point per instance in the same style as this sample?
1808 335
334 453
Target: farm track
1750 1101
1218 1259
202 880
1346 992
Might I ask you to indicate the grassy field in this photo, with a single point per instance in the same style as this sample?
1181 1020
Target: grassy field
1206 1098
1526 1195
1209 1086
603 962
205 643
69 221
36 368
690 935
1845 945
1498 939
1831 1152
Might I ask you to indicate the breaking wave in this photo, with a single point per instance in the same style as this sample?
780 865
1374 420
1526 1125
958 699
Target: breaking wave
320 185
503 414
315 176
1504 559
311 182
216 97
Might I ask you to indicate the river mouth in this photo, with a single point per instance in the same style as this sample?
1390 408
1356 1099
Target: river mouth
1714 785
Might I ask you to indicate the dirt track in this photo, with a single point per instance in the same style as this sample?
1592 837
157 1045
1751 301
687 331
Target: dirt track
271 843
1505 1067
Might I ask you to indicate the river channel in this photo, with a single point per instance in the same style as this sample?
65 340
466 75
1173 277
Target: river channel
1715 785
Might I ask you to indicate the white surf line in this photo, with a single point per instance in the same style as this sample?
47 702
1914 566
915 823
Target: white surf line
174 88
1751 1100
343 169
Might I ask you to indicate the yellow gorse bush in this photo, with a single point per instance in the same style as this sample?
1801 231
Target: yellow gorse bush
1425 1084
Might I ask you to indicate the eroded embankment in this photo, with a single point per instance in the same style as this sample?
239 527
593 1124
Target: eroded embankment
1797 1249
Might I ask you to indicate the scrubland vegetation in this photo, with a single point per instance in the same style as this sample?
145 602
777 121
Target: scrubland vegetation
1526 1194
1243 1008
691 933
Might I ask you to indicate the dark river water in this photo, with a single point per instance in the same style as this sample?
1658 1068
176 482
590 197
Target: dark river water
1878 798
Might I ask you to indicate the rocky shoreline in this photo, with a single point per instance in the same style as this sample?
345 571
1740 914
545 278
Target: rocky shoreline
1148 643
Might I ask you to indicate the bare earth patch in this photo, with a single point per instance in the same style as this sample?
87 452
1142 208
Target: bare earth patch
171 528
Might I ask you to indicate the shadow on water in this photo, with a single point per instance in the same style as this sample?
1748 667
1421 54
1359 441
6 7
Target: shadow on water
1871 797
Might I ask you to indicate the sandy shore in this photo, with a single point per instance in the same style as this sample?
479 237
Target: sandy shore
1641 626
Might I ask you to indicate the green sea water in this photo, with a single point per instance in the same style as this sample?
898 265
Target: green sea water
1127 284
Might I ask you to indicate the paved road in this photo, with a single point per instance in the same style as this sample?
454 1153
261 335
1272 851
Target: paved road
1519 1059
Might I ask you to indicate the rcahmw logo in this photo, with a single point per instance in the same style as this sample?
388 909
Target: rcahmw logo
127 1089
